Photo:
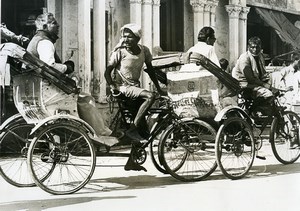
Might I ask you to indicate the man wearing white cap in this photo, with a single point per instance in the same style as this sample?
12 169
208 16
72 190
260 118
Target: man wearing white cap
128 59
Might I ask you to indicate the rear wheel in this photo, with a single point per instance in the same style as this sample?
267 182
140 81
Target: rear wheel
68 149
186 150
235 148
14 143
284 133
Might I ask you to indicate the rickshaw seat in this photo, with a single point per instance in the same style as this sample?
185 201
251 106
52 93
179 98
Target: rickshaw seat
36 99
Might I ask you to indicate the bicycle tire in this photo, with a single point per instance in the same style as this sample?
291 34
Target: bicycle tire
68 148
282 132
14 142
186 150
153 151
235 148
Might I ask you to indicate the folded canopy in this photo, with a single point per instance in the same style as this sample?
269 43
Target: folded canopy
284 28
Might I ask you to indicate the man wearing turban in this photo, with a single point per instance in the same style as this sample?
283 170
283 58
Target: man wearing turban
128 59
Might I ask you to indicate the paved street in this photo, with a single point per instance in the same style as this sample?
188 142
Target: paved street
269 186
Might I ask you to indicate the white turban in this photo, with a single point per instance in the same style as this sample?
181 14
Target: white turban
134 28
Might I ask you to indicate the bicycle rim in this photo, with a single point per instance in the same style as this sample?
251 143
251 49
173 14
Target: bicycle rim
235 148
187 150
153 148
61 159
283 132
14 144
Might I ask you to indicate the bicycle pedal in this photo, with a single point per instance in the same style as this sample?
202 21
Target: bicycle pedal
261 157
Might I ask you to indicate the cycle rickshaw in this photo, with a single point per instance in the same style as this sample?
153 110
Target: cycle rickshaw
61 156
243 128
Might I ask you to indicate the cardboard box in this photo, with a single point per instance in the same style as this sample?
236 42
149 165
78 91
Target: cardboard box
191 80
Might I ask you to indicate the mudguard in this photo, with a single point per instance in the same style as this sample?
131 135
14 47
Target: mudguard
232 109
11 120
55 118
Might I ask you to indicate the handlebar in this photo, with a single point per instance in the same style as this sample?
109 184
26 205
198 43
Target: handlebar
115 93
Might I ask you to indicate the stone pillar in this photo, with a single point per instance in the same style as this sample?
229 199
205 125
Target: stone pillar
147 38
243 29
136 11
233 12
99 60
213 14
51 6
156 23
147 23
198 8
206 15
0 43
84 39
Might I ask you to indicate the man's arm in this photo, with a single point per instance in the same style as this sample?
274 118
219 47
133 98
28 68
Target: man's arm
250 77
46 53
151 73
107 75
113 62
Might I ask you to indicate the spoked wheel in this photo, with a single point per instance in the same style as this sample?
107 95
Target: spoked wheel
153 148
186 150
14 143
139 156
284 133
66 148
235 148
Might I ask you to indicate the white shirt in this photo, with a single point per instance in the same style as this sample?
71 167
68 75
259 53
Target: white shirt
297 86
46 51
206 50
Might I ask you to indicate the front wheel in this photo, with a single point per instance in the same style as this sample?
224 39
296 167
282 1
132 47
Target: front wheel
285 131
61 158
153 148
186 150
14 143
235 148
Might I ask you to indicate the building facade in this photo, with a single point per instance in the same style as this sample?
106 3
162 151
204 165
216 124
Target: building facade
90 28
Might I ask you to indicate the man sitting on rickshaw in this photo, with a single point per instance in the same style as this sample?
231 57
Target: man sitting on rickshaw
250 70
42 46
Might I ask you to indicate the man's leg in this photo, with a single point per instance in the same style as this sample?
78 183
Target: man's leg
148 98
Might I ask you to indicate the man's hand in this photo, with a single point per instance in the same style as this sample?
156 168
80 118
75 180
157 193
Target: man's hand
114 90
70 66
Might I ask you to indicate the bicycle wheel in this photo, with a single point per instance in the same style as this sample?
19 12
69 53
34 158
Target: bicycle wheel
186 150
235 148
285 131
67 148
153 149
14 142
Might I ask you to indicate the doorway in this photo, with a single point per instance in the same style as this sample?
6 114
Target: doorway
171 25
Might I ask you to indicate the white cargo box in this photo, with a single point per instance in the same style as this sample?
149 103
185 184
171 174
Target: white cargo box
190 80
